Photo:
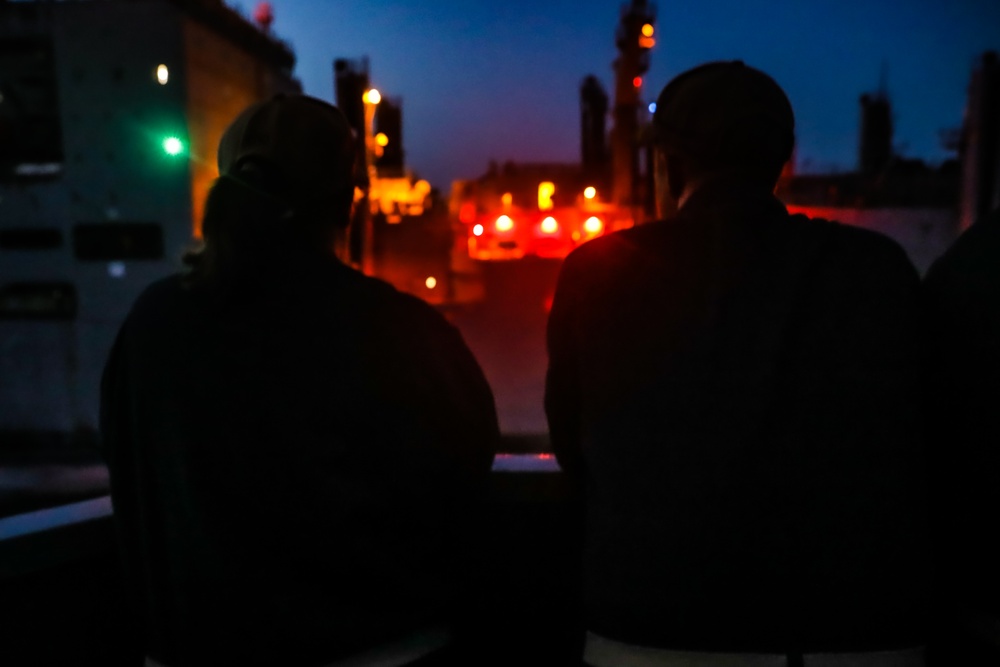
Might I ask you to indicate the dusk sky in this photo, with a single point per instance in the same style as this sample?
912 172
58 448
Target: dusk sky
499 80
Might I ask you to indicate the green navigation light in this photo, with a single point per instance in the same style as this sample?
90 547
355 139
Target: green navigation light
173 146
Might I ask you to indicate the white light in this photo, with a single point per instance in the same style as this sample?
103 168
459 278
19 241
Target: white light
431 282
116 269
652 107
593 225
373 96
590 192
162 74
504 223
549 225
477 230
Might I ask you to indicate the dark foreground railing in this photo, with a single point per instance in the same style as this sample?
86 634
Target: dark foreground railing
61 590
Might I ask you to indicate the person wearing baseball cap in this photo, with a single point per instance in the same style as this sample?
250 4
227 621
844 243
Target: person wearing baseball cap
733 391
296 450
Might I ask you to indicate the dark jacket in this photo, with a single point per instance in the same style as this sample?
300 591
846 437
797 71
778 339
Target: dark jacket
735 391
962 292
292 467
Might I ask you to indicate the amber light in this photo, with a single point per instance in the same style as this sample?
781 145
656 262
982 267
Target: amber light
590 192
647 30
431 282
593 225
504 223
549 225
545 191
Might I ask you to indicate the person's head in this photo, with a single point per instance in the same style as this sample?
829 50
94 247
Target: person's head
721 118
285 181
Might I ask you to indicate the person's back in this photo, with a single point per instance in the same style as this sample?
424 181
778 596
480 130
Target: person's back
962 294
735 391
295 453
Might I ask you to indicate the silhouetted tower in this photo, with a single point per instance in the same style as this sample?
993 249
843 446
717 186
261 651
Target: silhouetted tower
875 149
980 146
634 38
350 84
389 122
593 122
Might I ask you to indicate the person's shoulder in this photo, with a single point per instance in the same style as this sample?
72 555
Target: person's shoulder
384 300
971 259
618 247
159 295
856 250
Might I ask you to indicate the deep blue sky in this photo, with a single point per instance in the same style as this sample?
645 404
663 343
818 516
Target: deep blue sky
499 79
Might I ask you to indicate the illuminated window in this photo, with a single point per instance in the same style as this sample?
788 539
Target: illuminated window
545 191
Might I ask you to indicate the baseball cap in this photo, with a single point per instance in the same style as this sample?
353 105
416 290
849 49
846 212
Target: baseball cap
307 143
724 113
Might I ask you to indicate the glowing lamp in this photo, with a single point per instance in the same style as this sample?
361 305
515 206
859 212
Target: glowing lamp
646 42
549 225
381 139
162 75
478 230
372 96
431 282
637 81
593 225
173 146
590 192
504 223
647 30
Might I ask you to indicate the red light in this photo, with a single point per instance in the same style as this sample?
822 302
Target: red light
467 214
637 81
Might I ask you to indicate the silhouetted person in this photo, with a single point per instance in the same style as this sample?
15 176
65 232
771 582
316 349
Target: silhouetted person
295 449
734 391
962 292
